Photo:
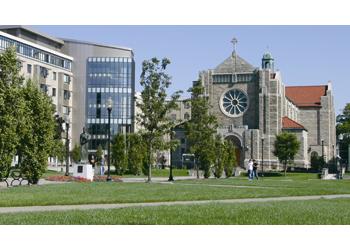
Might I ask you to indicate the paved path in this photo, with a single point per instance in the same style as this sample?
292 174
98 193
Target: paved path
168 203
24 183
158 179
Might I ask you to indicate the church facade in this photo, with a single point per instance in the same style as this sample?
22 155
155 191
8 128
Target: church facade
253 105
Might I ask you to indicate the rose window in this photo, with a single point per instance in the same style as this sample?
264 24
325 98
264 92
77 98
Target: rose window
234 103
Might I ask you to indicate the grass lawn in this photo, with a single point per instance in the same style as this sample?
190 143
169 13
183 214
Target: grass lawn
313 212
211 189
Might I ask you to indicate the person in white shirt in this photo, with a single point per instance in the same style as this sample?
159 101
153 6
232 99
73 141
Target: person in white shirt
250 169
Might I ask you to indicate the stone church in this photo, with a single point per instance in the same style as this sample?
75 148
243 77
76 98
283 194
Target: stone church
253 105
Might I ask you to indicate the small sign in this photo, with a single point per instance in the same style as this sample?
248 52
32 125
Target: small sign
80 169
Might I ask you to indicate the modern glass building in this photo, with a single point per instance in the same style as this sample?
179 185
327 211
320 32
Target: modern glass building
109 77
101 71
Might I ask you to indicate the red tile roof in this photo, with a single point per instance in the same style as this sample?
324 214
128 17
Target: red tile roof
288 123
306 96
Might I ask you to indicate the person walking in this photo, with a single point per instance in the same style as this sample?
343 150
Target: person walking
250 169
255 169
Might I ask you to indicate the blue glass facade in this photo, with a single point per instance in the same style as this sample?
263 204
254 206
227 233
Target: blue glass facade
109 77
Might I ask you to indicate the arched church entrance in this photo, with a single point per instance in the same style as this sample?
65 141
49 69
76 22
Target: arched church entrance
238 151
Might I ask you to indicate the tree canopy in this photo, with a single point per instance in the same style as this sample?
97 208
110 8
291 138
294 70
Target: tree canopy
27 123
201 128
155 105
343 127
286 147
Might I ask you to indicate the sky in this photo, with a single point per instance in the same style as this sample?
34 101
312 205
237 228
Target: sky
305 55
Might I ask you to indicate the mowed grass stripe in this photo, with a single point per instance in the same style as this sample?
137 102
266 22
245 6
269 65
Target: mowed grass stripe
315 212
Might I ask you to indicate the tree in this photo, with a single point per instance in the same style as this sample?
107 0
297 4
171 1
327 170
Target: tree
286 147
343 127
119 157
154 108
59 150
200 129
76 153
99 154
37 137
230 159
11 108
220 155
317 162
136 153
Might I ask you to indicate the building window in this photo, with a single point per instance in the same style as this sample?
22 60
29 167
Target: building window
66 79
183 140
187 116
29 51
65 110
54 76
29 68
66 95
44 88
44 72
234 103
53 91
187 105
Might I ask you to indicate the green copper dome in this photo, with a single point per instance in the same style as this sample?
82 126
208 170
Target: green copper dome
267 56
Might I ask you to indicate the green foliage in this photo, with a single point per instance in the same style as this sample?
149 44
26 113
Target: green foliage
155 106
221 155
76 153
286 147
27 124
230 159
119 154
317 162
59 150
37 137
343 127
201 128
136 153
11 108
99 154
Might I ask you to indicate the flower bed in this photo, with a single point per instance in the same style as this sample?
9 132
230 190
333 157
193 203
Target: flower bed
97 178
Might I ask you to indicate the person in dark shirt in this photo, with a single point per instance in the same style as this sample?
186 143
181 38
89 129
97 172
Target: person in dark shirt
255 169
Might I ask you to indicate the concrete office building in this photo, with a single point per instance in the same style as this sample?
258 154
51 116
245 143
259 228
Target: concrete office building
100 72
41 59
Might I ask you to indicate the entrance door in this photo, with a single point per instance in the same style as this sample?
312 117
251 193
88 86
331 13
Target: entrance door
238 149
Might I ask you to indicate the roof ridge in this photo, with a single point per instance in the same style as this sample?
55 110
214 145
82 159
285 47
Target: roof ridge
298 86
293 125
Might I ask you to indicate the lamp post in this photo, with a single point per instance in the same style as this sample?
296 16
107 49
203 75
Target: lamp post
171 178
109 108
340 138
334 155
322 151
262 156
67 144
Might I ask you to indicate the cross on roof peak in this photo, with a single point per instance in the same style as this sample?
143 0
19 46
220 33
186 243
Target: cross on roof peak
234 41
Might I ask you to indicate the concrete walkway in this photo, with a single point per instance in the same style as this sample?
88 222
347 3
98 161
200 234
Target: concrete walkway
158 179
167 203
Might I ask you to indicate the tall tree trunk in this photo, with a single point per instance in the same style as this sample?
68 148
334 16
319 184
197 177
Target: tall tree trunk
149 162
285 168
197 168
